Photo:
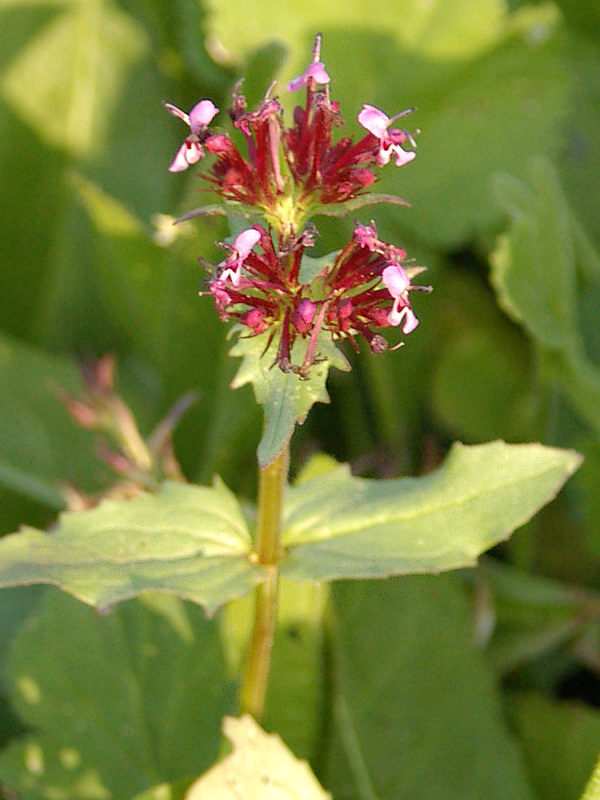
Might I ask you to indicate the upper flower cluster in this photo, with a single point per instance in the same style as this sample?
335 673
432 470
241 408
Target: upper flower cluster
287 175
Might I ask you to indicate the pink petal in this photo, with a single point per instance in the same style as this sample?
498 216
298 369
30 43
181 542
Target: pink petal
189 153
202 114
233 274
410 320
396 280
402 156
245 241
316 70
397 315
180 162
374 120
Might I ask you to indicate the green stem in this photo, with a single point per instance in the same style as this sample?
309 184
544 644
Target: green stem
268 550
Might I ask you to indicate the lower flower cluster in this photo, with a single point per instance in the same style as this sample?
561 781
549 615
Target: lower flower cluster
365 288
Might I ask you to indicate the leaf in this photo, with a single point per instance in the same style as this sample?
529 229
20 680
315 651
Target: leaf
297 679
345 208
339 526
310 267
526 616
535 270
260 768
560 743
441 34
191 541
417 710
224 209
592 790
495 398
118 702
534 266
166 791
285 397
40 446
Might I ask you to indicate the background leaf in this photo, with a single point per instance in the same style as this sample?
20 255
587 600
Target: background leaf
117 703
417 712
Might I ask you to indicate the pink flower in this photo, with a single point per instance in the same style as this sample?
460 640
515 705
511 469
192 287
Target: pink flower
240 250
315 71
377 123
198 120
397 283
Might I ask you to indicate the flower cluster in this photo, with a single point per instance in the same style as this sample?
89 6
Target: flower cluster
287 175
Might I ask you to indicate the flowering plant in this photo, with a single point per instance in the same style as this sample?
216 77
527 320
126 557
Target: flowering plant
156 539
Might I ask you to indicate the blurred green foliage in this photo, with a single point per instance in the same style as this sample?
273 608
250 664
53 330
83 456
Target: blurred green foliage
461 687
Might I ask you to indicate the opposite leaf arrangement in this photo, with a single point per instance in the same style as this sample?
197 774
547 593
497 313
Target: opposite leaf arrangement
159 533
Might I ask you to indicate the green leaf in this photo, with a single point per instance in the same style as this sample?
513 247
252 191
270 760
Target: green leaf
526 616
343 209
167 791
260 768
560 743
285 397
40 446
339 526
455 29
224 209
311 268
294 704
296 695
495 398
188 540
534 266
592 790
118 703
417 709
535 269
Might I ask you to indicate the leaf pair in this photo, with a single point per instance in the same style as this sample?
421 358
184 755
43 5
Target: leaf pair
194 541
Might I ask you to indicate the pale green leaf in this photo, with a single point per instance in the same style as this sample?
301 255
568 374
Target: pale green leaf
441 29
260 768
339 526
90 45
534 265
592 790
117 702
188 540
535 270
286 397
